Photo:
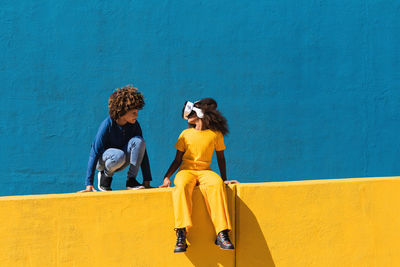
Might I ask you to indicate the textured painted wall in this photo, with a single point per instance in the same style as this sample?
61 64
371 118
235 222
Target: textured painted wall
134 228
343 222
310 88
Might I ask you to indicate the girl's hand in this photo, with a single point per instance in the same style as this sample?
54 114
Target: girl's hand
231 182
88 189
167 183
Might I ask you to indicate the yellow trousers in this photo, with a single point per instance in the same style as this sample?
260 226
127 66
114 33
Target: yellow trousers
213 190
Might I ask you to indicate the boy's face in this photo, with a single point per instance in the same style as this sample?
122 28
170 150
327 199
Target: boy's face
130 116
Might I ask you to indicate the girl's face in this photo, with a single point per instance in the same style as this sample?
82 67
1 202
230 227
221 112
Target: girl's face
192 118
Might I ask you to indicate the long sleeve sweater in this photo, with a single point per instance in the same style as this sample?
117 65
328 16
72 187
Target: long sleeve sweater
112 135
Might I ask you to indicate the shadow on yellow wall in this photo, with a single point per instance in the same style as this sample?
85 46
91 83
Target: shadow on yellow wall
250 239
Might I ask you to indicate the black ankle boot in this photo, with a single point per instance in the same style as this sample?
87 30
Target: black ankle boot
180 240
223 240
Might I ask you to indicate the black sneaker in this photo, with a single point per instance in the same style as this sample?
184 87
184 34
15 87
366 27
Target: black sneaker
223 240
147 185
133 184
103 182
181 245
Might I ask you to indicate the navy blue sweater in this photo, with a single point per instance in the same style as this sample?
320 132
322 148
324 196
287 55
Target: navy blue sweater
112 135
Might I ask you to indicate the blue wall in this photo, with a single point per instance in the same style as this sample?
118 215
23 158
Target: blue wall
310 88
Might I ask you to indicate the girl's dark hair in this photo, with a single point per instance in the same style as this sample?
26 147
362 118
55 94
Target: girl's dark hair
213 119
124 99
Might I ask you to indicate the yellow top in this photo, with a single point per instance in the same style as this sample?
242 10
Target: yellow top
199 147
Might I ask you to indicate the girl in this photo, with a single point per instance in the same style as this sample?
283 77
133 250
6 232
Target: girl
195 147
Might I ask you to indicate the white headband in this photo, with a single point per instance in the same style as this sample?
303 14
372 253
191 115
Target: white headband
189 107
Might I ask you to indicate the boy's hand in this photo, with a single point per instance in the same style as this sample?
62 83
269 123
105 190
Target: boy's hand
231 182
88 189
167 183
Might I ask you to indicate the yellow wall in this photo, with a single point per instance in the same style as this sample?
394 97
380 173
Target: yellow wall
121 228
348 222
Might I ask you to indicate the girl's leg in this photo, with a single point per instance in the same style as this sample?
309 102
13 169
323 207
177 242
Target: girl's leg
213 189
185 182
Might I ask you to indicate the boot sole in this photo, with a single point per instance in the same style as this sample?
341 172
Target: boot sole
135 188
226 248
182 250
217 243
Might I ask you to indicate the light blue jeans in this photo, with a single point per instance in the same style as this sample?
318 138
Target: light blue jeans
114 160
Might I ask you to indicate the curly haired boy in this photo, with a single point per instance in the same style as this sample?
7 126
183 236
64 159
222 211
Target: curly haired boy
119 143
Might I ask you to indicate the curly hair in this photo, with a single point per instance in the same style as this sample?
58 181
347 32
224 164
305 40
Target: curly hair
213 119
124 99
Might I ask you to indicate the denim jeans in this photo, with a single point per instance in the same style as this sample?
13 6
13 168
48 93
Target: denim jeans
114 160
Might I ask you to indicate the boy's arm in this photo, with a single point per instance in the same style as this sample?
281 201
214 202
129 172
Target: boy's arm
145 166
97 149
93 158
172 168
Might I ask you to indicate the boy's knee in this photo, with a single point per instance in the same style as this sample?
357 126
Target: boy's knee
137 140
117 159
120 157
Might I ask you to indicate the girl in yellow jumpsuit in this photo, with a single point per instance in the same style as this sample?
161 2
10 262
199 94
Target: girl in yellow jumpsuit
195 147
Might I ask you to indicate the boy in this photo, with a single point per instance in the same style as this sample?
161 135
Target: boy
119 143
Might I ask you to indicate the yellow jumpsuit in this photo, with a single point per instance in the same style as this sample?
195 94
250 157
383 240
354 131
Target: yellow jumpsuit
198 147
